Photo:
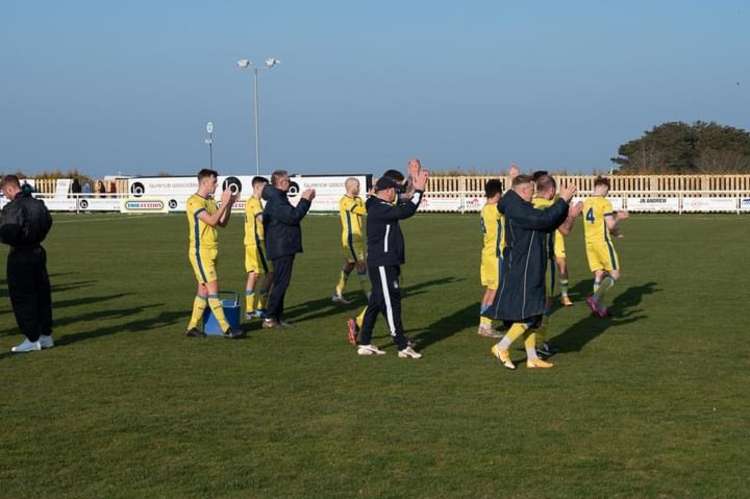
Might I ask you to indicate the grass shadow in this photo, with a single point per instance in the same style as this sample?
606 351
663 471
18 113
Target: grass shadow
445 327
161 320
324 307
623 311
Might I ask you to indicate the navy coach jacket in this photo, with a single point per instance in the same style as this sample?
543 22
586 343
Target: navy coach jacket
522 294
281 223
385 242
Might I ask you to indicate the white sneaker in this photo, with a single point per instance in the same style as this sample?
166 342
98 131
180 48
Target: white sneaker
27 346
409 353
369 350
340 299
46 341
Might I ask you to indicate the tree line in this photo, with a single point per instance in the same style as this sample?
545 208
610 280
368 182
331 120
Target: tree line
687 148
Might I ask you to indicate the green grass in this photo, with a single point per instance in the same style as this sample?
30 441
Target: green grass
652 402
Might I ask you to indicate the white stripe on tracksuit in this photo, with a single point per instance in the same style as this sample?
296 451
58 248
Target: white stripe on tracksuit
387 298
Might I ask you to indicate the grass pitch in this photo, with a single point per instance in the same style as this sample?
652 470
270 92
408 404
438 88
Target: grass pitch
652 402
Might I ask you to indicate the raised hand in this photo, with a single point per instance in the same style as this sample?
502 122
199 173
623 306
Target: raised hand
514 171
308 194
575 210
226 197
420 181
568 192
414 168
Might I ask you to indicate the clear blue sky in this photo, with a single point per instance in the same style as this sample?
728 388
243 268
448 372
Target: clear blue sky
128 86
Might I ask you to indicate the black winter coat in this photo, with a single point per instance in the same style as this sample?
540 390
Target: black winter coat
522 294
281 223
25 221
385 242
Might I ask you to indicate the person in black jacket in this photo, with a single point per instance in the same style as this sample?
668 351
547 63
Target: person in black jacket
281 223
24 223
520 301
385 245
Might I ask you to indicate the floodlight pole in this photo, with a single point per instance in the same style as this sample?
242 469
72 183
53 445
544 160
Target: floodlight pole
245 64
257 121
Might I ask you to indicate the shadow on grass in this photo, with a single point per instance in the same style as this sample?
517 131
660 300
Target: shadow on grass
324 307
139 325
623 311
445 327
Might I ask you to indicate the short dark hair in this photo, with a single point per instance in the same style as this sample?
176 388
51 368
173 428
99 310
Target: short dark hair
10 180
602 181
259 180
278 175
539 173
207 173
522 179
492 188
395 175
545 182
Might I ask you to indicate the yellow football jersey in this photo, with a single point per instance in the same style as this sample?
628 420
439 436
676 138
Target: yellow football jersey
351 211
201 236
595 209
493 230
253 227
556 244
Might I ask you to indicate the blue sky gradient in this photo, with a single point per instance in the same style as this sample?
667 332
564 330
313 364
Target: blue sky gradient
127 87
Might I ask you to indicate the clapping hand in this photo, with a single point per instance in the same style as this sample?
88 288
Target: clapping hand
568 192
308 194
421 176
226 197
575 210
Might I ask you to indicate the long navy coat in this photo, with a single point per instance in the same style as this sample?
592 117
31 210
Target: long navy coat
521 295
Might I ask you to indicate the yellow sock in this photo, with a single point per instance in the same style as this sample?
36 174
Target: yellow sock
218 310
361 317
250 300
260 299
485 321
364 283
199 306
515 331
343 277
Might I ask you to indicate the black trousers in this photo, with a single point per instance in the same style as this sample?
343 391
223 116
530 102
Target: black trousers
386 299
282 275
30 292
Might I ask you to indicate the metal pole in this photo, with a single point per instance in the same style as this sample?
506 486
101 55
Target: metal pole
257 119
211 151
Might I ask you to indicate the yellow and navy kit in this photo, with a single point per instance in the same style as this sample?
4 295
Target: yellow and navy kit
600 251
492 223
255 250
351 211
203 247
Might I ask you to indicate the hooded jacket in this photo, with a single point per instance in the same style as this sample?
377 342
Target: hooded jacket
24 221
281 223
521 295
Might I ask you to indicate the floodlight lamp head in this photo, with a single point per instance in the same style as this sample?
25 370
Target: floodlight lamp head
244 63
271 62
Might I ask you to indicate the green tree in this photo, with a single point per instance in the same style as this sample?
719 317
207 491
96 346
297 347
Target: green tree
678 147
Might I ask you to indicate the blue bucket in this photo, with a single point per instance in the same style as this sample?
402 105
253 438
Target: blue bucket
230 302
